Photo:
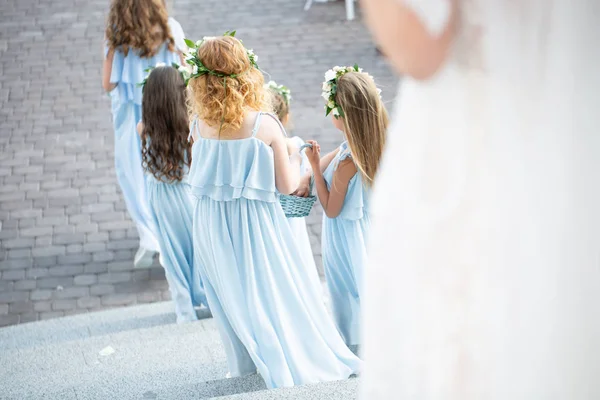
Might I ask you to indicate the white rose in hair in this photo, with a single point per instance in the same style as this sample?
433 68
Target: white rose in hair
330 75
195 69
337 68
336 112
331 104
349 69
325 96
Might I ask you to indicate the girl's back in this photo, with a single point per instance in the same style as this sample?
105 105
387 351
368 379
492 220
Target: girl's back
266 304
139 35
165 156
239 167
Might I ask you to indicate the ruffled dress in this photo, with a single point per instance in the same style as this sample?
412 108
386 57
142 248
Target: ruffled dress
126 105
171 208
344 248
265 301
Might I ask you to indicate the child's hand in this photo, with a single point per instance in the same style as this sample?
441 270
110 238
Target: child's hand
314 154
304 187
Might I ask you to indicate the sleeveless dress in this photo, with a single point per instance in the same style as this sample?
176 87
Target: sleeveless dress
266 303
484 277
126 105
298 225
344 248
171 208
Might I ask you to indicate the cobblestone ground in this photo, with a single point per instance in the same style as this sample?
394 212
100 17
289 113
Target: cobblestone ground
66 241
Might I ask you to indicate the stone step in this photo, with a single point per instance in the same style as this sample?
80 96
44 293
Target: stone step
84 326
129 353
337 390
110 365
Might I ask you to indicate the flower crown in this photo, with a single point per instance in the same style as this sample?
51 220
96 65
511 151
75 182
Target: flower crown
282 90
330 88
198 68
185 74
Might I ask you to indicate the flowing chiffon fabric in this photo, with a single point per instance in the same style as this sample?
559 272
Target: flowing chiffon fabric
266 302
344 248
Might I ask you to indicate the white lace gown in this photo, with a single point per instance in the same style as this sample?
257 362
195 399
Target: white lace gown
484 273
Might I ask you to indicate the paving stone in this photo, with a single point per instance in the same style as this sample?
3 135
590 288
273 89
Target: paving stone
85 280
66 270
101 289
62 305
13 296
72 292
19 307
9 319
118 299
88 302
41 294
13 275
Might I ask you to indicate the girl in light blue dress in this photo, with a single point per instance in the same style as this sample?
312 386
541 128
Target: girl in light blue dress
266 303
132 46
166 158
343 179
280 99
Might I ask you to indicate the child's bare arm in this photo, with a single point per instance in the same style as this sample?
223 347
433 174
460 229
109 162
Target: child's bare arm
107 70
332 200
304 187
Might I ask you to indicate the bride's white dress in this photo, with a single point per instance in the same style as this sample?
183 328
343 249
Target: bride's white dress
484 273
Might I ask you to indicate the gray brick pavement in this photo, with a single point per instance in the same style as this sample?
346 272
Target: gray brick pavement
66 242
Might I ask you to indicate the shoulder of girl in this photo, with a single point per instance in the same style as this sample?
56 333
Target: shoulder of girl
346 169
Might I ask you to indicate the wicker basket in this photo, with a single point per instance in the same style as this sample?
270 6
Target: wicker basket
295 206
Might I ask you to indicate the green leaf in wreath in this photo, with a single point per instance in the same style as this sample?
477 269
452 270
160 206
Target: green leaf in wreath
190 44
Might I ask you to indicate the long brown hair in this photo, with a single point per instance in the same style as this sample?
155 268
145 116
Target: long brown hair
165 149
365 121
138 24
211 100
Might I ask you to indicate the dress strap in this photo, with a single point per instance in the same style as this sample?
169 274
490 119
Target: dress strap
258 120
193 127
278 123
256 124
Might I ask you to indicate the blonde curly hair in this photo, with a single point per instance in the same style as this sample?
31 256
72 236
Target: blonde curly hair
223 101
142 25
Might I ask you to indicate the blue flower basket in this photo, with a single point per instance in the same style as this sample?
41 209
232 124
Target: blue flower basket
296 206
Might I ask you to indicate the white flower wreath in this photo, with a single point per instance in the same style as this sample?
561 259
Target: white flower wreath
284 91
182 69
329 88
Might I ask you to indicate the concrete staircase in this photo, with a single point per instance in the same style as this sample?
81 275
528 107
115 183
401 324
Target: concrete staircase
132 353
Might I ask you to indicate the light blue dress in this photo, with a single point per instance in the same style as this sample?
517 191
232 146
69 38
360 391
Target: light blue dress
126 105
171 208
298 225
344 251
266 303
